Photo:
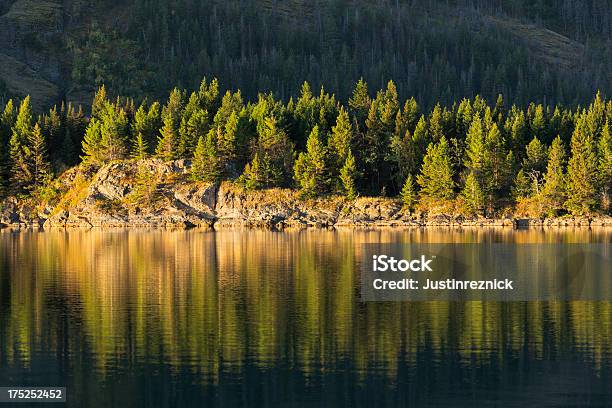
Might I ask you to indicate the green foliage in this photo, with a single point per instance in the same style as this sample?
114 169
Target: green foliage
146 123
473 196
582 170
522 186
408 193
554 180
20 171
435 52
309 169
348 174
340 140
255 174
436 178
372 142
535 161
36 156
104 56
145 185
604 148
167 141
276 154
140 148
207 165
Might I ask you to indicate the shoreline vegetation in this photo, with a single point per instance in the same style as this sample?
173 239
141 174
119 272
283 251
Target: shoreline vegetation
202 159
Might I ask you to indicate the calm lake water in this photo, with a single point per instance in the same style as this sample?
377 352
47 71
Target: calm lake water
273 319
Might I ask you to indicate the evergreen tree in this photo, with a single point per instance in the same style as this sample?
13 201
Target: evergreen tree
538 123
473 196
582 170
38 165
535 160
496 167
147 123
92 152
408 193
99 102
341 138
410 115
436 178
166 145
145 185
276 152
74 128
254 173
53 131
7 120
310 170
114 132
475 149
554 180
206 164
436 124
522 186
348 173
360 102
605 166
140 148
517 129
229 138
21 133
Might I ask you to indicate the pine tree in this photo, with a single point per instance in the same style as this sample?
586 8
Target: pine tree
21 133
582 170
554 180
92 143
410 115
605 166
276 153
254 173
140 148
228 139
39 168
408 193
206 164
495 165
166 145
145 184
99 102
348 173
75 128
517 128
114 132
475 149
147 123
360 102
7 120
473 196
521 187
340 139
436 125
535 160
538 123
436 178
310 170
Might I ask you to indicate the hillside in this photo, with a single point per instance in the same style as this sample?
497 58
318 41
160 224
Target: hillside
435 50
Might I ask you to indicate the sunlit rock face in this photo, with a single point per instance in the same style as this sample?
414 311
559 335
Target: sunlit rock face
154 193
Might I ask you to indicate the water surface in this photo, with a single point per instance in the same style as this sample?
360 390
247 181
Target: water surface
266 319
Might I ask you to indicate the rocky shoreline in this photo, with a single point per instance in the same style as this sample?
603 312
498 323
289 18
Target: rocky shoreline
105 198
